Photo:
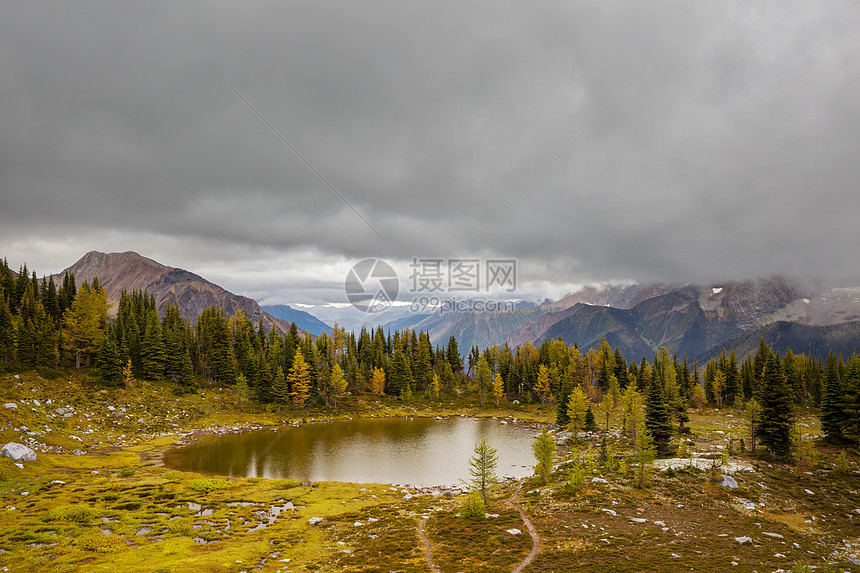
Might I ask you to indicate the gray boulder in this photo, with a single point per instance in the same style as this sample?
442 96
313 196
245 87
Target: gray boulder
729 482
18 452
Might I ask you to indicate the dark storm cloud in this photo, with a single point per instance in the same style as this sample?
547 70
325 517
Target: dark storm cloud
733 155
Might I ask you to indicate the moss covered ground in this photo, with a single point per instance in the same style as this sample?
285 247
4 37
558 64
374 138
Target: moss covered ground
119 508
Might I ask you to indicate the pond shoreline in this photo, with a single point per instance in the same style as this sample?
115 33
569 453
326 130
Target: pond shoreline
515 465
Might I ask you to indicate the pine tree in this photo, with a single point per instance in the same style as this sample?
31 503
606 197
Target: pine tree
453 355
777 417
484 379
832 413
543 449
657 417
400 379
543 388
377 381
128 374
577 409
644 453
299 381
851 401
280 388
482 468
498 389
153 355
7 332
338 383
718 385
752 413
86 323
109 361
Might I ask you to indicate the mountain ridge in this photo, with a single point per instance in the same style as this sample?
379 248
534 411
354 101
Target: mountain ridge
129 270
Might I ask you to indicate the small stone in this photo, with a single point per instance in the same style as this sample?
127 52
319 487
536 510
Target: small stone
743 540
58 483
20 466
611 512
78 452
514 531
638 520
779 555
315 520
775 535
676 556
407 497
358 524
11 406
749 505
598 480
809 492
36 402
659 524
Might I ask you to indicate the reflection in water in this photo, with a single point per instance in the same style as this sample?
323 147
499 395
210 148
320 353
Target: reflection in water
418 451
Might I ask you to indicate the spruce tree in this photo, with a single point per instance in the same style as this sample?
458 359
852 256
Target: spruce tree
851 400
7 333
832 412
657 418
109 362
453 355
280 388
776 418
153 355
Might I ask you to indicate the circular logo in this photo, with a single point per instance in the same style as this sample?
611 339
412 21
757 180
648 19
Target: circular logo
371 285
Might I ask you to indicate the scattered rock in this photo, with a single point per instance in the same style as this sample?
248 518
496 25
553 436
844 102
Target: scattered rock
65 412
743 540
315 520
749 505
58 483
407 497
775 535
20 466
18 452
610 512
11 405
36 402
78 452
659 524
514 531
809 492
638 520
598 480
729 482
358 524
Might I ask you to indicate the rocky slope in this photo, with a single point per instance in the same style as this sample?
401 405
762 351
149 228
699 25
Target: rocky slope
697 320
129 271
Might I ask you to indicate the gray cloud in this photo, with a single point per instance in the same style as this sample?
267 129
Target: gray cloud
734 154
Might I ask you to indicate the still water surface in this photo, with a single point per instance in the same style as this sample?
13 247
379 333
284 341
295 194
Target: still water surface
417 451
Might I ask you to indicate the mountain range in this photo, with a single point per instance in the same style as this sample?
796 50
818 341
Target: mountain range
692 320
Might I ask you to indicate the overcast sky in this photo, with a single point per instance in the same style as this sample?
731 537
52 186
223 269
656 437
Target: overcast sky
736 152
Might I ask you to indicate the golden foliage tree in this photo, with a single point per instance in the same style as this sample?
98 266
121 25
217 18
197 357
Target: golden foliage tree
299 380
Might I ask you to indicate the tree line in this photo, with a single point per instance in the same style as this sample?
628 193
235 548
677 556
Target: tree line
45 326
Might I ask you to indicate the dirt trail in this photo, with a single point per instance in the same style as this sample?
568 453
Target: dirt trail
532 531
427 553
